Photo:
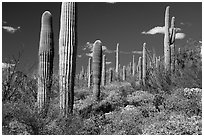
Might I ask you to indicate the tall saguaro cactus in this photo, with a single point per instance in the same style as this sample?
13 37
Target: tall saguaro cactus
144 64
46 56
117 62
133 65
172 44
166 41
67 57
124 73
103 79
89 73
97 68
110 75
140 69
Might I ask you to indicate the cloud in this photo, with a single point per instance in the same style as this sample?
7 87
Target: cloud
108 63
89 54
188 24
137 52
79 56
10 29
180 36
4 22
111 2
155 30
158 30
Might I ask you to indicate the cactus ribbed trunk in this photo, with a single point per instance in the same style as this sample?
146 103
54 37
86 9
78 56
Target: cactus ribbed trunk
172 58
166 42
172 44
110 75
67 57
124 73
154 59
117 62
46 56
97 68
103 80
133 65
158 62
144 64
130 68
89 73
140 69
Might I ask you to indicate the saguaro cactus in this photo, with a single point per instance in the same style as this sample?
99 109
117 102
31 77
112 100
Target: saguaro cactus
140 69
144 64
133 65
67 57
124 73
46 56
158 62
117 62
89 73
166 42
172 44
110 75
103 80
97 68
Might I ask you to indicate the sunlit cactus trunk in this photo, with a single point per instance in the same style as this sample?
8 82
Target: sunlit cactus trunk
130 68
46 56
133 65
154 59
166 42
158 62
140 69
110 75
172 44
144 65
117 62
67 57
103 79
89 73
97 68
124 73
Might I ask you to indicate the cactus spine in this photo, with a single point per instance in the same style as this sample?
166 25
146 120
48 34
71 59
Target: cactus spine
67 57
89 73
124 73
133 65
46 56
166 42
144 64
103 80
117 62
97 68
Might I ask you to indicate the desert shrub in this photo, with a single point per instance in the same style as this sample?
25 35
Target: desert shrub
127 122
22 113
94 125
139 98
117 97
81 94
175 124
69 125
185 100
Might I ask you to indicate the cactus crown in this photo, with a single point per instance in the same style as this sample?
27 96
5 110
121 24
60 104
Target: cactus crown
46 35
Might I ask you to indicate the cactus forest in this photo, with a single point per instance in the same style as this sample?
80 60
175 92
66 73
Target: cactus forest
98 88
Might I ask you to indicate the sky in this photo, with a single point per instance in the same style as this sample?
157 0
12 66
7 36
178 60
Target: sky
129 24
